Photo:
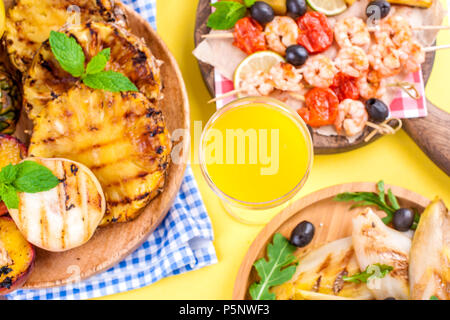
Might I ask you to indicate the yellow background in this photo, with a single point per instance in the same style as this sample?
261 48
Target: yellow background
396 159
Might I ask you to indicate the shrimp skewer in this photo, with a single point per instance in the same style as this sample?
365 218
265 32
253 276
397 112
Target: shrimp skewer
351 31
281 33
319 71
351 117
352 61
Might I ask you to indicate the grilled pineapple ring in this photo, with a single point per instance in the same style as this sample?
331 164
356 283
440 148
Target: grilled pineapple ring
29 23
129 55
121 137
66 216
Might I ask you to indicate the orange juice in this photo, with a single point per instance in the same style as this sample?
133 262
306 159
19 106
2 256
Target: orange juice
256 152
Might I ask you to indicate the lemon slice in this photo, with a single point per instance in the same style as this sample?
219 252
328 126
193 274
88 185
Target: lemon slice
328 7
2 18
259 61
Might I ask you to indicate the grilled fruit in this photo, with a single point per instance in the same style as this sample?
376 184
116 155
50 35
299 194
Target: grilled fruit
121 137
16 257
320 272
376 243
66 216
29 23
12 151
429 269
129 55
10 102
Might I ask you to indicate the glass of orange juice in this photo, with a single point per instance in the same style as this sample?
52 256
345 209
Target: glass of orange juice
256 154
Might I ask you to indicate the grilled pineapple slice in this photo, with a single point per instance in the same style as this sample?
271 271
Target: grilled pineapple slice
66 216
121 137
29 23
129 55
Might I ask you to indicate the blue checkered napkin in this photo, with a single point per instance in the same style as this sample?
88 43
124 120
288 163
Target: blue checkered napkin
183 242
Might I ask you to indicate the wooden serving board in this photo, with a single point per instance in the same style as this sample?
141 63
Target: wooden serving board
317 208
430 133
112 244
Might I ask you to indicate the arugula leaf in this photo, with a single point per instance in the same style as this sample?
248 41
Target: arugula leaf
375 270
68 52
374 199
434 298
276 270
33 177
9 196
98 63
226 15
249 3
110 81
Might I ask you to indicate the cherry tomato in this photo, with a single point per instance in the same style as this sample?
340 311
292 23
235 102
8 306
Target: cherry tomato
315 33
249 36
345 87
321 107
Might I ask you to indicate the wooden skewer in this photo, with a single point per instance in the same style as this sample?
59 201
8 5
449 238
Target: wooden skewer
435 48
218 35
237 91
431 27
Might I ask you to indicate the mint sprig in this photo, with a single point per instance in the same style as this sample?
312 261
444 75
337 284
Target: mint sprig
226 15
28 177
71 58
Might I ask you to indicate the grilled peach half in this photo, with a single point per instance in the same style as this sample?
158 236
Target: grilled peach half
16 257
11 151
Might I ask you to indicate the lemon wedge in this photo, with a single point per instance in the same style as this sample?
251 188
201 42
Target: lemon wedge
328 7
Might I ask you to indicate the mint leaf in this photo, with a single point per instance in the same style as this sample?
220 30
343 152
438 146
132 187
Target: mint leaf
249 3
109 81
68 52
98 63
276 270
226 15
33 177
8 174
9 196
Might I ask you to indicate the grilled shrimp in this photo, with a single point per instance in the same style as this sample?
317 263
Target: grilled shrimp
351 31
371 85
258 84
394 30
352 61
286 77
352 117
319 71
413 56
385 59
281 33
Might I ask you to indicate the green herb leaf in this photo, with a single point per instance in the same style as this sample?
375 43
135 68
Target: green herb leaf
9 196
375 270
381 195
33 177
8 174
276 270
249 3
98 63
68 52
434 298
393 200
109 81
226 15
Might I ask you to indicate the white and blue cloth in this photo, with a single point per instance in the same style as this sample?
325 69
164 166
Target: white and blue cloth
183 241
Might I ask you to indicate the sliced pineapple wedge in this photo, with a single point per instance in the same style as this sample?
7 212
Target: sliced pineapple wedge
66 216
45 80
29 23
121 137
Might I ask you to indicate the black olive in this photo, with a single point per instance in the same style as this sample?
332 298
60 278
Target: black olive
296 55
303 233
296 7
403 219
262 12
378 9
377 109
390 298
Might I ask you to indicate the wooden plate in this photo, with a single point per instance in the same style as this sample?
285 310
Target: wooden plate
318 208
430 133
112 244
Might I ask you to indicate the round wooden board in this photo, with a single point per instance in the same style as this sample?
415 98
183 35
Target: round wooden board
430 133
112 244
318 208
